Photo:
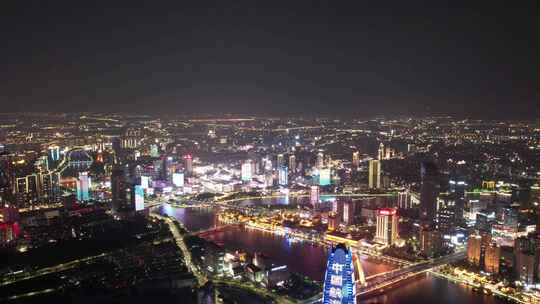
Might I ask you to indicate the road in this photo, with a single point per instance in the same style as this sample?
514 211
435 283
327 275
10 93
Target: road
179 239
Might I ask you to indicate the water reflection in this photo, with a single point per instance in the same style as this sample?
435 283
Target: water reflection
310 260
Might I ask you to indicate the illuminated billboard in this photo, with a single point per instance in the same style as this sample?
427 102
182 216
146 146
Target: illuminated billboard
139 198
339 283
178 179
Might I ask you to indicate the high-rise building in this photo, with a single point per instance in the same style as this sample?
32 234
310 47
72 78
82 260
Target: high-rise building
474 249
404 200
428 192
283 177
314 195
337 209
356 159
339 280
246 171
431 241
292 164
325 177
119 190
320 161
374 174
280 161
381 152
54 153
492 258
177 179
268 179
387 226
83 186
188 164
348 213
166 168
137 197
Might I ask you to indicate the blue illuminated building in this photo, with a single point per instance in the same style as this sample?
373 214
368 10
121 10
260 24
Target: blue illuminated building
339 282
283 176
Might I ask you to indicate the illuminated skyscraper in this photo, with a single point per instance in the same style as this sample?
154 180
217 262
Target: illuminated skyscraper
339 279
325 178
283 176
188 164
280 161
83 184
374 174
54 153
314 195
137 197
320 161
381 152
356 159
292 163
387 226
246 171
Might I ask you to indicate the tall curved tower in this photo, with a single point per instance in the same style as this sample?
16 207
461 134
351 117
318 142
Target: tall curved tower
339 280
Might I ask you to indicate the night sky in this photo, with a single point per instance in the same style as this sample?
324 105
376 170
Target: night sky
270 57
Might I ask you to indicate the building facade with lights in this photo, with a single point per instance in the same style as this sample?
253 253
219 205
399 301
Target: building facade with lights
339 279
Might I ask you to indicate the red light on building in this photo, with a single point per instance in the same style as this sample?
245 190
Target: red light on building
188 156
387 211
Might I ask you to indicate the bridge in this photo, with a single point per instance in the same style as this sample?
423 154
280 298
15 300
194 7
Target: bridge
378 283
209 231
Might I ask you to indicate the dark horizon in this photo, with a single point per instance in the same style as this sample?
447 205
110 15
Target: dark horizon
306 58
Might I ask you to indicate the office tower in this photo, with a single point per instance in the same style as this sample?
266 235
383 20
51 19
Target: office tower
348 213
374 174
404 200
387 226
83 186
246 173
339 280
268 179
355 160
431 241
428 192
492 258
283 177
314 195
381 152
188 164
5 187
292 164
320 161
280 161
119 187
324 177
474 249
137 197
168 168
54 153
337 209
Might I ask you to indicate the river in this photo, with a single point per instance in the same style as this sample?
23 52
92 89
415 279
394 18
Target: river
310 260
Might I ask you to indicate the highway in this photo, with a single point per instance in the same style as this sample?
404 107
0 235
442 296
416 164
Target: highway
179 239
